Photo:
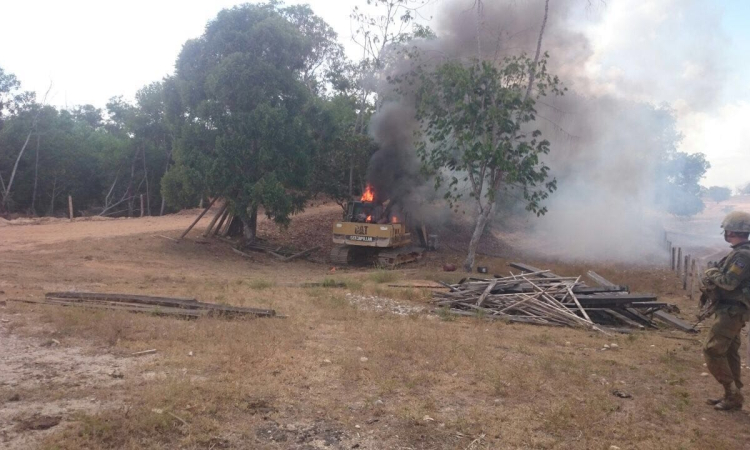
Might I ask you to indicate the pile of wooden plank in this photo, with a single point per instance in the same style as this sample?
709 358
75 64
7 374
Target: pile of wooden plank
541 297
171 306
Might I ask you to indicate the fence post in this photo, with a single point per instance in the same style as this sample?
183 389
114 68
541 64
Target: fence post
692 280
685 272
142 212
674 257
70 207
679 259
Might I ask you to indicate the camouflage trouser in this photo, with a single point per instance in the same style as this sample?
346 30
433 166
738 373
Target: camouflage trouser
722 347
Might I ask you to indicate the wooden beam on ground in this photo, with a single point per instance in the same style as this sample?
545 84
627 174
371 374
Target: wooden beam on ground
600 279
200 216
625 319
674 321
299 254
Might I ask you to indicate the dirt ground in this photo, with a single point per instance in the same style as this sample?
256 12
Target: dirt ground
365 366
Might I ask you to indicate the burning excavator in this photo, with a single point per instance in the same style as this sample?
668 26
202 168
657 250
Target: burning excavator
372 232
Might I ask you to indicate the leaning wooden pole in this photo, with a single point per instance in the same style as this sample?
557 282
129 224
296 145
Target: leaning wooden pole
216 217
70 207
197 219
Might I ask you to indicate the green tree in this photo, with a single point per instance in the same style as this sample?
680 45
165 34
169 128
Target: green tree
719 193
247 132
681 174
476 136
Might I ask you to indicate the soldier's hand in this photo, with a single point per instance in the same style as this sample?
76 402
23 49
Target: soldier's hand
712 272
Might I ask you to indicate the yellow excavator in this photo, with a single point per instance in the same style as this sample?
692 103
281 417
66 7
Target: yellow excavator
371 234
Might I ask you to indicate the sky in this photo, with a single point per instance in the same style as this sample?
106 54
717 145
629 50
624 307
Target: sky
691 54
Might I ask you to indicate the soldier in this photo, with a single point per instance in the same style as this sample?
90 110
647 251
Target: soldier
728 285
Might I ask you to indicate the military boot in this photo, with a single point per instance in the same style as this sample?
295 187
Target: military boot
732 401
716 401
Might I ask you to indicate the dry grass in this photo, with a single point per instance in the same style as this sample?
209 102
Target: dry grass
329 372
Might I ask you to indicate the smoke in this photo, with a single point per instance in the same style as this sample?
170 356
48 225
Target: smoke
609 140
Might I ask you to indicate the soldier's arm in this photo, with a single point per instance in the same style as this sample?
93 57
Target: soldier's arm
737 272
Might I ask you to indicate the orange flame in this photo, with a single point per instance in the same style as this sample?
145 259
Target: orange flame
394 219
368 196
369 219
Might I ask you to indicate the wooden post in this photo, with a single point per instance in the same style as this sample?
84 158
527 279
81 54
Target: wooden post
685 272
216 217
679 259
142 211
674 257
218 226
692 280
70 206
197 219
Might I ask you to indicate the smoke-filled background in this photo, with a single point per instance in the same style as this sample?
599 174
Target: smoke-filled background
611 134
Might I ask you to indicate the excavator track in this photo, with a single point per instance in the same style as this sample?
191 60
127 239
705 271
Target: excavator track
340 255
397 256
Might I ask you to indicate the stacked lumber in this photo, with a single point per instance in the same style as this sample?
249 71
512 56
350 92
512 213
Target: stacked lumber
541 297
168 306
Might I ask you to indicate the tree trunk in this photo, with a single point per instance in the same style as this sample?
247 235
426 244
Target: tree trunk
250 226
163 200
145 176
482 219
36 177
51 210
129 191
532 74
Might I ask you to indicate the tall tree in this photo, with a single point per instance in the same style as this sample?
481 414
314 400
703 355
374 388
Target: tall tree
247 133
476 133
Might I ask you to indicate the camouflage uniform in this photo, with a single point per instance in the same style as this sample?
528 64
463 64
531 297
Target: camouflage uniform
731 281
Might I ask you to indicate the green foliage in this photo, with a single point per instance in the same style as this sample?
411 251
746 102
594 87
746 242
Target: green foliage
181 187
682 174
248 129
719 193
473 129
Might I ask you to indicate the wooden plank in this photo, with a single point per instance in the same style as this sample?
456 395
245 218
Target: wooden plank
595 299
153 310
299 254
639 315
121 297
625 319
216 217
675 321
197 219
486 293
160 301
528 268
601 280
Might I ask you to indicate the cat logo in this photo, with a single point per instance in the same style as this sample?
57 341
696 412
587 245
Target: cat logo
362 229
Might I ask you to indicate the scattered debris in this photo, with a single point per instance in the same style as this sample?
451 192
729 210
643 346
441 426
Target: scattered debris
541 297
144 352
621 394
184 307
449 267
375 303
